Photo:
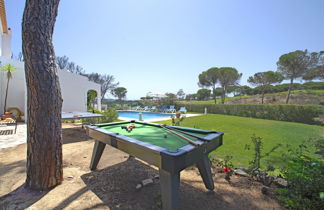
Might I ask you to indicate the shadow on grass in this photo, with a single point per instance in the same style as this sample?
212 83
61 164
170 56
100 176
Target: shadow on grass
115 186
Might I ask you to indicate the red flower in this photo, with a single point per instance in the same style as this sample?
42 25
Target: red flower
226 170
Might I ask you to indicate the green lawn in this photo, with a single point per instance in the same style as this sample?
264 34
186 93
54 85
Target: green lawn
238 132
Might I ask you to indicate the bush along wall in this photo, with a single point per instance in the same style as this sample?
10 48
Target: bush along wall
289 112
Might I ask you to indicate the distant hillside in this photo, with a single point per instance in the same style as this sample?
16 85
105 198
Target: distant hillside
297 97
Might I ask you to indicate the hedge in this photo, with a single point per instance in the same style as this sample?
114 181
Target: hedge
292 113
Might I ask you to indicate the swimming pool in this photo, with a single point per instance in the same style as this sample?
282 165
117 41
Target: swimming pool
145 115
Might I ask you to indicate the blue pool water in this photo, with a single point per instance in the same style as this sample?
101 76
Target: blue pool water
145 115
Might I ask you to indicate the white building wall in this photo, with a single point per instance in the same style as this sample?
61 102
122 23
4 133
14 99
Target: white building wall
1 33
6 45
74 89
17 86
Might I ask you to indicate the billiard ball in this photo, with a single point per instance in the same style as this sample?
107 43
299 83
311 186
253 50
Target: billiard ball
165 136
130 127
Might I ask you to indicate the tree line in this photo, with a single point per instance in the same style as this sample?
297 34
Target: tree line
291 66
245 90
107 82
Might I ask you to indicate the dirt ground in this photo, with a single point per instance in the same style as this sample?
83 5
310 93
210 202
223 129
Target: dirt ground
112 186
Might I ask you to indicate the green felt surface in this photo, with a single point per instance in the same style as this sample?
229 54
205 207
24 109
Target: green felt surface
153 135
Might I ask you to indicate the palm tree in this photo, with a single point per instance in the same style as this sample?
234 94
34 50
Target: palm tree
8 69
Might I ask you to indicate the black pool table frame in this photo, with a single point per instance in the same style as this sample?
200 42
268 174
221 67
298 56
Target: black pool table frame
169 163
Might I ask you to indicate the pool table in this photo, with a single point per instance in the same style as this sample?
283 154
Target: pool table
162 146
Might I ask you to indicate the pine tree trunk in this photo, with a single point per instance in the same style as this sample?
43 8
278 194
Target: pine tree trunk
262 97
289 90
44 101
214 93
223 95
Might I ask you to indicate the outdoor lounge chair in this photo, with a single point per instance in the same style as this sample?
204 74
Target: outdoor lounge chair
153 108
138 108
8 122
164 108
171 109
183 109
146 108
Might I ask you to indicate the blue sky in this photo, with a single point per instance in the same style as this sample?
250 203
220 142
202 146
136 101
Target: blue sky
163 45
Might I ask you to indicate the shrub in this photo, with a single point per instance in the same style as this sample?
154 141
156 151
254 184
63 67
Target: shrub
305 177
226 164
120 104
177 119
289 112
319 145
313 85
148 103
109 115
165 101
255 163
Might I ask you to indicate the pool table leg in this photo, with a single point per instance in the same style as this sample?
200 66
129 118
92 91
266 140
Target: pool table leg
170 183
205 172
96 154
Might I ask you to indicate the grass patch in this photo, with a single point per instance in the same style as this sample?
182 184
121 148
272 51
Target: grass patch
238 132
